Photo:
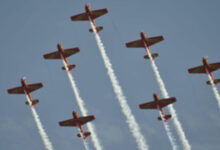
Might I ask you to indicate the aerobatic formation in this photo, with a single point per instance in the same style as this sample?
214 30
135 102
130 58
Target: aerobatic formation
85 119
146 42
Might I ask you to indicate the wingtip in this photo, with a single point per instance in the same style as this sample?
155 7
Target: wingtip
141 106
174 99
189 70
127 44
71 18
77 49
41 84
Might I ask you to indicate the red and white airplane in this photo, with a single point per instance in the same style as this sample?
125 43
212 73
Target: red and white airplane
159 104
26 89
145 42
63 54
206 68
78 122
90 15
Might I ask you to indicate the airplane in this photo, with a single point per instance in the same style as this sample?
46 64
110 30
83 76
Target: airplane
63 54
90 15
159 104
78 121
206 68
26 88
145 42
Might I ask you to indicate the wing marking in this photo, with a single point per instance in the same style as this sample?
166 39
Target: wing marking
199 69
16 90
78 121
165 102
149 105
98 13
154 40
80 17
137 43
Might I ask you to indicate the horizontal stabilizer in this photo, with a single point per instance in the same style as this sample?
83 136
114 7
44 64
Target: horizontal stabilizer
87 134
70 67
215 81
33 103
166 117
154 55
97 29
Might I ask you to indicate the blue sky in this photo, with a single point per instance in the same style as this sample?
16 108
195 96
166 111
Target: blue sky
30 29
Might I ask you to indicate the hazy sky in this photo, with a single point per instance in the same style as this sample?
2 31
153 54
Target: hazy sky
29 29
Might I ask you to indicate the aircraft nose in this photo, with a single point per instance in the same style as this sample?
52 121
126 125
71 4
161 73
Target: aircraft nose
23 78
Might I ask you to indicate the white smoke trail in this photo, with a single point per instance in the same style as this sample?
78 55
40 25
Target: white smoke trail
169 133
134 127
85 144
43 134
214 88
164 92
83 109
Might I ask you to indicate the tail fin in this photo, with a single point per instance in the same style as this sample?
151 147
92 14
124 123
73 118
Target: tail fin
70 67
154 55
166 117
215 81
85 135
33 103
97 29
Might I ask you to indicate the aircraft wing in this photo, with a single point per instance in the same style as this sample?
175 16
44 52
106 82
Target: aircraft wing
149 105
78 121
33 87
53 55
17 90
70 51
154 40
67 53
80 17
199 69
70 122
83 120
165 102
98 13
214 66
138 43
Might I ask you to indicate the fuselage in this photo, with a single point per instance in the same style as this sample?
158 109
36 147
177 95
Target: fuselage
207 66
61 51
145 40
76 116
90 14
156 99
25 86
